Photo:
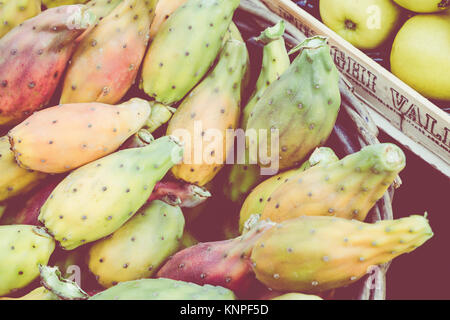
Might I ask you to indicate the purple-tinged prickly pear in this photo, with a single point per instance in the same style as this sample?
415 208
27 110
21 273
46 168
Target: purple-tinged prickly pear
179 194
46 141
14 180
314 254
22 249
212 108
261 195
97 199
14 12
139 247
185 47
33 57
57 3
348 188
106 63
163 11
223 263
301 107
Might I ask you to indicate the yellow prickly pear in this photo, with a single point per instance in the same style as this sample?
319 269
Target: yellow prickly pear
106 63
14 180
14 12
40 293
58 3
97 199
348 188
297 296
207 113
22 249
100 130
163 11
139 247
314 254
185 47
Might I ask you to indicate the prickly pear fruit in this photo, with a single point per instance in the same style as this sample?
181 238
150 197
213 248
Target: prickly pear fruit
106 63
102 8
97 199
181 194
14 12
141 139
163 11
22 249
33 57
261 195
314 254
301 107
223 263
297 296
58 3
211 108
139 247
187 240
347 189
14 180
185 47
40 293
161 114
145 289
100 130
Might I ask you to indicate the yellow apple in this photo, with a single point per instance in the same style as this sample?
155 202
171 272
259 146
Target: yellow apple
421 55
424 6
364 23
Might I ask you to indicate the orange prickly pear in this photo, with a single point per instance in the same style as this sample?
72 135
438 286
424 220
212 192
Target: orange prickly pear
185 47
314 254
163 11
46 141
33 57
207 113
301 107
260 196
106 63
14 12
347 188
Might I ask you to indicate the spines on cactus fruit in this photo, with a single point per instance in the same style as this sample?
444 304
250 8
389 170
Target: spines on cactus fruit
314 254
347 189
33 57
100 130
139 247
185 47
145 289
22 249
40 294
14 180
14 12
105 64
181 194
57 3
300 108
261 195
223 263
163 11
97 199
211 108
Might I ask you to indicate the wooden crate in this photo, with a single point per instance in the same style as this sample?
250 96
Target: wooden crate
396 108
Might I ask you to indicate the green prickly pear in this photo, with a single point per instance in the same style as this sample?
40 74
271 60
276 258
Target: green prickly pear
14 180
348 188
106 63
14 12
22 249
161 114
139 247
244 176
163 11
33 57
57 3
301 107
261 195
213 105
100 130
314 254
187 240
97 199
185 47
102 8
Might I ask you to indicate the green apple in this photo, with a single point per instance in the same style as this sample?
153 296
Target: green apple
424 6
364 23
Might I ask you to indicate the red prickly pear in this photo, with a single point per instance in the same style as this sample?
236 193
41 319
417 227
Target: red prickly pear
106 63
222 263
179 194
33 57
100 130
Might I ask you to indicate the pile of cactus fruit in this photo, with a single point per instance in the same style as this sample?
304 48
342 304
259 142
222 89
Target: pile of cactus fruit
100 108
